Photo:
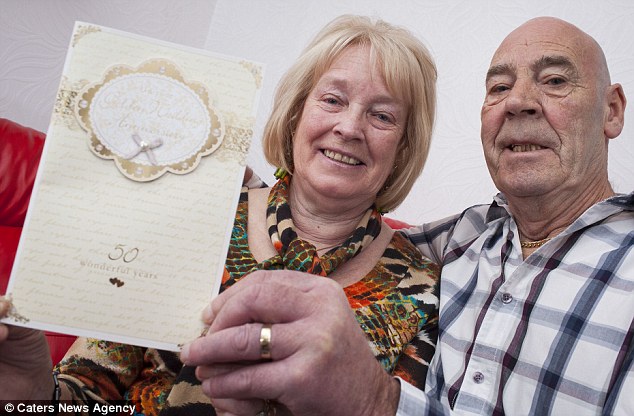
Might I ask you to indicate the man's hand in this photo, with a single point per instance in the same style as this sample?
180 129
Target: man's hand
321 363
25 362
248 174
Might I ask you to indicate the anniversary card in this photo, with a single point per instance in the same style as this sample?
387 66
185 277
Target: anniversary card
132 210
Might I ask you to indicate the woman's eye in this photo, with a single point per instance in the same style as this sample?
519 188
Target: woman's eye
331 100
384 118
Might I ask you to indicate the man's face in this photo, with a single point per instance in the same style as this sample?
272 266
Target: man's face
544 112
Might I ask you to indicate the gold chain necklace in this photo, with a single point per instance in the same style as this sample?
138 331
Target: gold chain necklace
535 244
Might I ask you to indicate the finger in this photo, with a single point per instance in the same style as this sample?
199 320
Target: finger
248 173
204 372
302 282
260 302
240 345
229 345
266 379
230 407
4 332
5 306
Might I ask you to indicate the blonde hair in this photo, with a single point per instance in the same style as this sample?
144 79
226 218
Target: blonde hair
409 72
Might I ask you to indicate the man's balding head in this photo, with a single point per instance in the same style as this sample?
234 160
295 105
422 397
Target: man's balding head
548 113
559 33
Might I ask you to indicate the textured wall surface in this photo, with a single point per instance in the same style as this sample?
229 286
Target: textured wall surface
35 34
461 35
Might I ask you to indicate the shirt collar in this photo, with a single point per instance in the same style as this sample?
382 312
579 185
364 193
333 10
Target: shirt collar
625 201
499 208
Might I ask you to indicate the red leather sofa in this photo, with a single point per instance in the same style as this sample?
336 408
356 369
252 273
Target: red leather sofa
20 151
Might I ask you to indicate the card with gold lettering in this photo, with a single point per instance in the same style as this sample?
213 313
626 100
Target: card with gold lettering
133 205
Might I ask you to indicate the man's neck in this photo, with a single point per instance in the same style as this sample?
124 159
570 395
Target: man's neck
547 215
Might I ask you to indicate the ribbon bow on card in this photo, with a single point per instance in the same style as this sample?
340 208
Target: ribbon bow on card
143 146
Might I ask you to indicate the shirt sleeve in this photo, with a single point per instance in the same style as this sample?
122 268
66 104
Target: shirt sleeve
414 402
432 238
620 400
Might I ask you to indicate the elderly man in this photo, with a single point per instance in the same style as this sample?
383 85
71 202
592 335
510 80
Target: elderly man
536 296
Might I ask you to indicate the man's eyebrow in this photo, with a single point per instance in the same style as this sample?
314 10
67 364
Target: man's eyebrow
537 66
501 69
554 60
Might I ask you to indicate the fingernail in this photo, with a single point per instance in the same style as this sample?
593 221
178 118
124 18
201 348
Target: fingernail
185 353
208 314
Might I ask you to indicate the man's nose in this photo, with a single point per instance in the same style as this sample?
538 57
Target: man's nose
523 99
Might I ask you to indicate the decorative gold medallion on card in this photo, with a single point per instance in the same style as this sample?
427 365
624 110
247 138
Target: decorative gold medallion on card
149 120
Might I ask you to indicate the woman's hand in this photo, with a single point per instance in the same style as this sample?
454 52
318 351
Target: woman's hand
25 362
321 363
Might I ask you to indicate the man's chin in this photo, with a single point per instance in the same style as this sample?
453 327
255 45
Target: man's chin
525 186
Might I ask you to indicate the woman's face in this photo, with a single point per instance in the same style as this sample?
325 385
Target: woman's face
350 127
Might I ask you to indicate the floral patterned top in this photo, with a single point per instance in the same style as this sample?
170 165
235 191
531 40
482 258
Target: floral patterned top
396 305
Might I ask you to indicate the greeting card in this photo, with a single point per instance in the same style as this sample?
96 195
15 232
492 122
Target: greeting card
133 205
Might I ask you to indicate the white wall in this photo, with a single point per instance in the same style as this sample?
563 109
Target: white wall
35 34
462 36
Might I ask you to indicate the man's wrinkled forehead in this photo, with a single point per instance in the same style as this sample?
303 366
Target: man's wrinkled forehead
546 40
541 62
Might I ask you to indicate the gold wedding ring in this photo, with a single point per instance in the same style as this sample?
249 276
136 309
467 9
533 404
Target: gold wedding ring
265 342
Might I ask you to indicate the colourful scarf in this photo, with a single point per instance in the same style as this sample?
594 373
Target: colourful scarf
297 254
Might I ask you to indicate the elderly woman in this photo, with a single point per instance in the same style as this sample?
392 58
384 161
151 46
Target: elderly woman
350 130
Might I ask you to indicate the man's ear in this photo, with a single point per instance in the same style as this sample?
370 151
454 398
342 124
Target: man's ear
616 111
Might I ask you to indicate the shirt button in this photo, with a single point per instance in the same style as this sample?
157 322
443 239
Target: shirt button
507 298
478 377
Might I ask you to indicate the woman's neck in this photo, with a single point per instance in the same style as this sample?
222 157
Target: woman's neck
325 225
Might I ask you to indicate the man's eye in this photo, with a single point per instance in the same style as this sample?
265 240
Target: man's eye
498 88
556 81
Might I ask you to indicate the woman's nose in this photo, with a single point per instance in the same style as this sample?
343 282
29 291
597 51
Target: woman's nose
350 124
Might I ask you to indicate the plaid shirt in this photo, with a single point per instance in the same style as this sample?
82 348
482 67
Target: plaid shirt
551 334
